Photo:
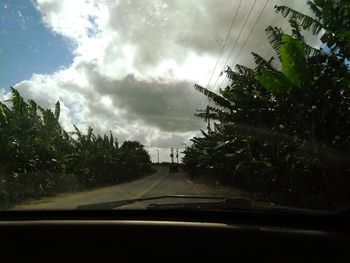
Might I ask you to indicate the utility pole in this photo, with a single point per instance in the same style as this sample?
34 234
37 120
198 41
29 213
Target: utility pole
177 155
207 116
172 154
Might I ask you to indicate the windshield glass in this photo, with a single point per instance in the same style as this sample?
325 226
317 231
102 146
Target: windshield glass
105 101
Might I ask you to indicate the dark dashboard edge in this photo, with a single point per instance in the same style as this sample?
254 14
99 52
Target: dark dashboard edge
324 222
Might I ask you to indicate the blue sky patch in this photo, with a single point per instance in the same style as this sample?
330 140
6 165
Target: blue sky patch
27 46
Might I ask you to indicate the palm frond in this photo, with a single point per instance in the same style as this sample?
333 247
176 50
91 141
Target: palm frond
260 61
296 30
242 73
212 96
49 118
18 103
314 8
221 114
33 106
204 133
4 112
244 70
66 135
238 80
311 51
78 133
217 110
89 135
274 36
306 22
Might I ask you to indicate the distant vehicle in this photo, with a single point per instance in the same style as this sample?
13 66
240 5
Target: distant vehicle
173 168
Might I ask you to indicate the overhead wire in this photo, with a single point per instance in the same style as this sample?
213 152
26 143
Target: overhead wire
270 50
223 47
250 33
235 44
236 41
225 41
246 40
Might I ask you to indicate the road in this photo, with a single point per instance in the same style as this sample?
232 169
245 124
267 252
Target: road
160 183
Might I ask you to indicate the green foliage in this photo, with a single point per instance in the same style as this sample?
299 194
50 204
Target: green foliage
274 36
276 82
38 157
287 136
214 97
294 69
305 21
333 17
260 61
293 60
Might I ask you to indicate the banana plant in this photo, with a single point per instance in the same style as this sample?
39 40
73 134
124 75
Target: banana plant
38 157
331 19
282 127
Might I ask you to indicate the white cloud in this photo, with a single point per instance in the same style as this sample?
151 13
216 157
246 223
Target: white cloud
136 62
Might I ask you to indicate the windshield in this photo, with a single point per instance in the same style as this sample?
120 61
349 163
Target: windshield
234 104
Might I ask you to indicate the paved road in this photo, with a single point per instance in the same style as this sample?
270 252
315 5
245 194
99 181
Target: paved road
160 183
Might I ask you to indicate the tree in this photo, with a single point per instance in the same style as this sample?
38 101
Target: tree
135 159
283 132
38 157
331 17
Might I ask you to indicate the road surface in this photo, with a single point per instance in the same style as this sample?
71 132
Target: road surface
160 183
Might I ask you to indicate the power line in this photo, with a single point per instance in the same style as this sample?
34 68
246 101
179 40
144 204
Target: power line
224 44
249 35
232 49
222 48
252 30
239 35
285 22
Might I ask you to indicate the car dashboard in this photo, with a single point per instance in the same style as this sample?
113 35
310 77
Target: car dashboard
168 235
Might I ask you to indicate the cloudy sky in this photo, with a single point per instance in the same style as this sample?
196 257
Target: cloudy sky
129 66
